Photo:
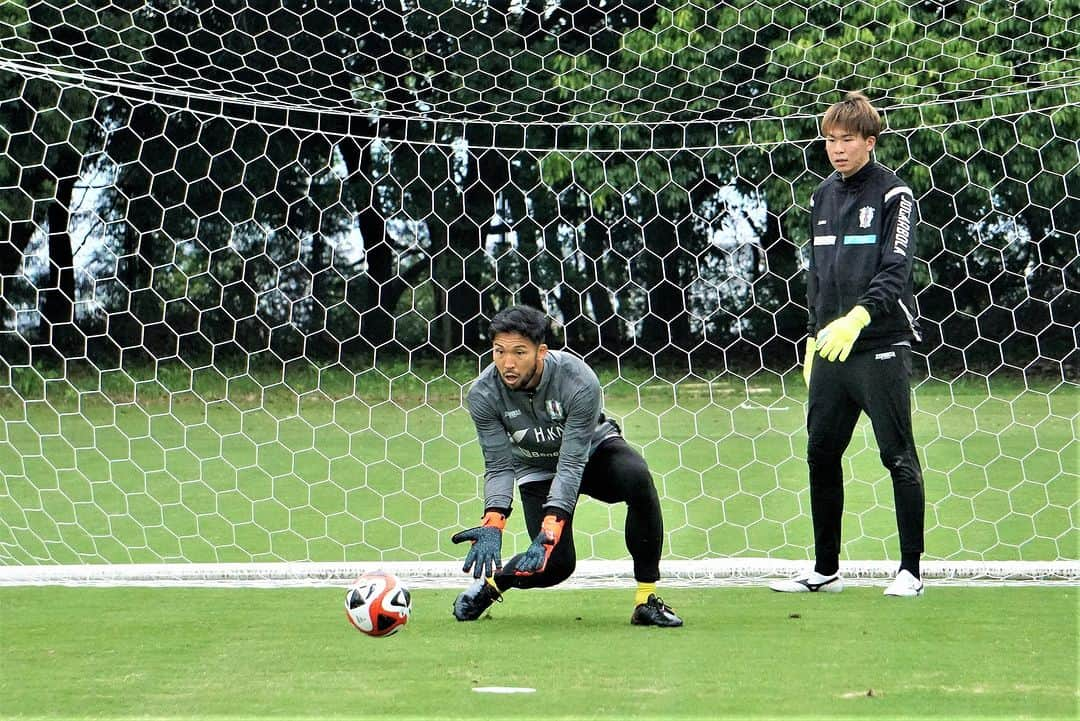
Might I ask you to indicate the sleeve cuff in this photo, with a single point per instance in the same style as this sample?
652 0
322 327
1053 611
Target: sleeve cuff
560 514
860 314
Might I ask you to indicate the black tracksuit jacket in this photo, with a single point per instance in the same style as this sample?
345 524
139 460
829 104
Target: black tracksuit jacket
863 230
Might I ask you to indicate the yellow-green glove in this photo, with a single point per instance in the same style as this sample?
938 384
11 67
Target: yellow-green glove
838 337
808 359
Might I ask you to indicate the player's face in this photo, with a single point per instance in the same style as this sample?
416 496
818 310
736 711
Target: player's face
518 360
848 151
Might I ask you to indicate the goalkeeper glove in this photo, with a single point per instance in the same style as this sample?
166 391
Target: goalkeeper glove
485 556
808 359
838 337
535 558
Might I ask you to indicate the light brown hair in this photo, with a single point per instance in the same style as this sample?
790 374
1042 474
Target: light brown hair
855 114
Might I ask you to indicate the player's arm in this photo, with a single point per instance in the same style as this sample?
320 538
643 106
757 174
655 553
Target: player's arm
900 216
811 280
811 304
485 553
582 415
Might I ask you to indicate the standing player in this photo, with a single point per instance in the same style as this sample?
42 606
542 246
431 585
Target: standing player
861 303
540 425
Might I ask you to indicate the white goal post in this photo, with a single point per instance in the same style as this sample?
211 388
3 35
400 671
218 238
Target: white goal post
589 573
247 257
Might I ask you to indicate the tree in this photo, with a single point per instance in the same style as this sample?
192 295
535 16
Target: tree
48 129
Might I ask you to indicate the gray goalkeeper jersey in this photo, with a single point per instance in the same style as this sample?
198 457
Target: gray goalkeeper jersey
547 433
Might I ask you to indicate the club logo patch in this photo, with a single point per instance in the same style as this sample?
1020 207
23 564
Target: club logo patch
554 409
866 216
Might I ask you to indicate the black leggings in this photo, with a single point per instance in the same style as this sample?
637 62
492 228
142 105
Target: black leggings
875 382
615 473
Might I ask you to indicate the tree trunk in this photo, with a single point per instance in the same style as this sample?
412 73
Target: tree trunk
378 295
667 319
528 229
597 248
58 302
487 174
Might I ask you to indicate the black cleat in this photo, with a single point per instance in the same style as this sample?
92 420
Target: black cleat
474 600
655 612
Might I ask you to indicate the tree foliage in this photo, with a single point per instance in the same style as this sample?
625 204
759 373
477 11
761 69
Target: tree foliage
340 181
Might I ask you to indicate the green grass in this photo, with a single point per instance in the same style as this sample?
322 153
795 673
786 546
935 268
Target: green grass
329 466
745 652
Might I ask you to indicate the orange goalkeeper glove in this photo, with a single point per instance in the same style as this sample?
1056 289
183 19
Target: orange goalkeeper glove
485 556
837 338
535 558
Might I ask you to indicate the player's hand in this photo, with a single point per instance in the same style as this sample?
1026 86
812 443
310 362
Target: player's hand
535 559
837 338
485 556
808 359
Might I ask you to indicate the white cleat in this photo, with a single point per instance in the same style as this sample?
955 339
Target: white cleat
905 584
812 582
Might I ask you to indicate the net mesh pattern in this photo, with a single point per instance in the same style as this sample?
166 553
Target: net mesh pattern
248 252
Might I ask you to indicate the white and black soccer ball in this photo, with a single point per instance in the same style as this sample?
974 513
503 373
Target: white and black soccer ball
378 604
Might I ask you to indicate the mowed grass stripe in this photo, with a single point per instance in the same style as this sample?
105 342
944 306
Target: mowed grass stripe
288 475
744 652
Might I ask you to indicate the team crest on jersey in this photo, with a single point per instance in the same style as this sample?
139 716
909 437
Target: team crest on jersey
866 216
554 409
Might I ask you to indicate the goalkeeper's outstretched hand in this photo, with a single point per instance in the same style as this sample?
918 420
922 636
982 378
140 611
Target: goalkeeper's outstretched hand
837 338
485 556
535 558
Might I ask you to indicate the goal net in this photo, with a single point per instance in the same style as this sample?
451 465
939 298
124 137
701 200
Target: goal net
248 251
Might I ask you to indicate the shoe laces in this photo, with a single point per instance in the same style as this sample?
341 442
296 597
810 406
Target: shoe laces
492 590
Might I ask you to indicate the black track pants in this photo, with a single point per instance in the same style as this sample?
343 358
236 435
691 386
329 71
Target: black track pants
877 382
615 473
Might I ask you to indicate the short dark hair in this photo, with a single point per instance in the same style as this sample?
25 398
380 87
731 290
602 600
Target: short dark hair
523 319
855 114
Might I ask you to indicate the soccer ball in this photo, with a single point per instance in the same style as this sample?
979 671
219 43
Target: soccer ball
378 604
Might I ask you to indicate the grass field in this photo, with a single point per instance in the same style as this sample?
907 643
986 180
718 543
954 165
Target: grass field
331 466
202 654
334 467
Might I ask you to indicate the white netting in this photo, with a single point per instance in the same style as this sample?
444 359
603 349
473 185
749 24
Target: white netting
247 254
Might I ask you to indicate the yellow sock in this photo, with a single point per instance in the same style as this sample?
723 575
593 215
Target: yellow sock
643 591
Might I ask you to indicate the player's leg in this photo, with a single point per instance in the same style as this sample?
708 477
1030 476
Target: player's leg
886 396
616 473
563 559
830 420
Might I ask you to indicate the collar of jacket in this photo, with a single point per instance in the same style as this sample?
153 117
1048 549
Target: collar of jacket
859 178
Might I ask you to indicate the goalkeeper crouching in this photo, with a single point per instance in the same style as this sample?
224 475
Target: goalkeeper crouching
540 425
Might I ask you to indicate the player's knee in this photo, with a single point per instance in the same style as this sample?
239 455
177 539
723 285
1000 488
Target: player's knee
903 470
821 455
640 490
629 480
557 571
